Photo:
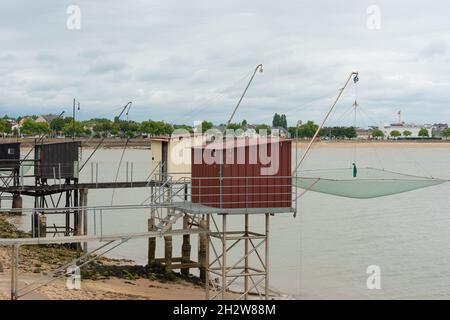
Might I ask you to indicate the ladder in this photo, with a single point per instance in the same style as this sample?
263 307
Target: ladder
163 195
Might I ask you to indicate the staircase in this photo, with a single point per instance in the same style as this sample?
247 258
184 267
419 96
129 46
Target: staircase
163 195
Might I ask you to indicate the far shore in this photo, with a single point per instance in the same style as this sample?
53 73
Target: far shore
145 143
375 144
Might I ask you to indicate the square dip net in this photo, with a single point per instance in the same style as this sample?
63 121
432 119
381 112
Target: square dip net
367 183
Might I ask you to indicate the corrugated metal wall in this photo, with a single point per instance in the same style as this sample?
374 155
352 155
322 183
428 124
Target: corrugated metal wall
243 185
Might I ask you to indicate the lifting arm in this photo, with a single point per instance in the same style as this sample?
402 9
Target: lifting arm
355 79
258 67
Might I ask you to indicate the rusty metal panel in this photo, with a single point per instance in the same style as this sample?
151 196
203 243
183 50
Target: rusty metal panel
243 185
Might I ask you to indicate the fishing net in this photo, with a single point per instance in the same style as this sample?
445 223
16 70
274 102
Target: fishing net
368 183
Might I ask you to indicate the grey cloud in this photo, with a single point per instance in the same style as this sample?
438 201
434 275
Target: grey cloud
174 58
46 57
434 48
102 67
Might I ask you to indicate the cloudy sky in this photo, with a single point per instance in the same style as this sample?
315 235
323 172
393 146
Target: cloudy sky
182 61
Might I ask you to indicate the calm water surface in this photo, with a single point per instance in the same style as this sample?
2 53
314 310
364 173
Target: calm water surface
325 251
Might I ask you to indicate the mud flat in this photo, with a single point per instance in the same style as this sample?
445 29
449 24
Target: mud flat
103 279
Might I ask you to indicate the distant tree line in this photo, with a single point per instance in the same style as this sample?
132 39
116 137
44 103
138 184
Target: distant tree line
308 129
102 127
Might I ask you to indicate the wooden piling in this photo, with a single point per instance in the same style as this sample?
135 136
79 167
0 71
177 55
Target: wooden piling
168 251
83 225
14 271
186 247
151 243
42 226
202 252
17 202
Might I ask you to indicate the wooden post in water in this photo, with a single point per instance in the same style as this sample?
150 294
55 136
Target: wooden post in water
186 247
202 251
84 216
151 227
151 242
168 239
42 226
77 221
168 251
14 271
17 202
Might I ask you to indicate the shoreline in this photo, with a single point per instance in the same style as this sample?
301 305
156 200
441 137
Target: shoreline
103 279
374 144
145 143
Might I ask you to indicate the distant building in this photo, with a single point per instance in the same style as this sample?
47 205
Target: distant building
12 122
47 118
23 120
250 131
16 128
437 129
362 133
414 129
279 132
41 119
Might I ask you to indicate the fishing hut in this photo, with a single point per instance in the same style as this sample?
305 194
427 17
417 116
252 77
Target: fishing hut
54 185
9 170
173 153
57 164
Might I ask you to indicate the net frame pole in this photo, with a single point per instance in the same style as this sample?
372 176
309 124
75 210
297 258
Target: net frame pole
354 73
258 67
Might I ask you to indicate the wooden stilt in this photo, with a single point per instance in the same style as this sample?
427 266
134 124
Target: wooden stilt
186 247
151 243
84 216
42 226
14 271
168 251
17 202
202 251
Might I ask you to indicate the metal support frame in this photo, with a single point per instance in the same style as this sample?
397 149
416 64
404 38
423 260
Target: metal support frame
252 268
225 275
9 177
71 197
80 262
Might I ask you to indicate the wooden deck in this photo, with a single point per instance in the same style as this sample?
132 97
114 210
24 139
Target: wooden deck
32 190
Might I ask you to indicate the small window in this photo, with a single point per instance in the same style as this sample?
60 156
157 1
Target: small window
11 151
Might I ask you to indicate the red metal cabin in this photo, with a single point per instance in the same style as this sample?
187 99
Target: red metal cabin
243 173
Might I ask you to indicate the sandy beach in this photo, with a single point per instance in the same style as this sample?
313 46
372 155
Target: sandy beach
105 289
